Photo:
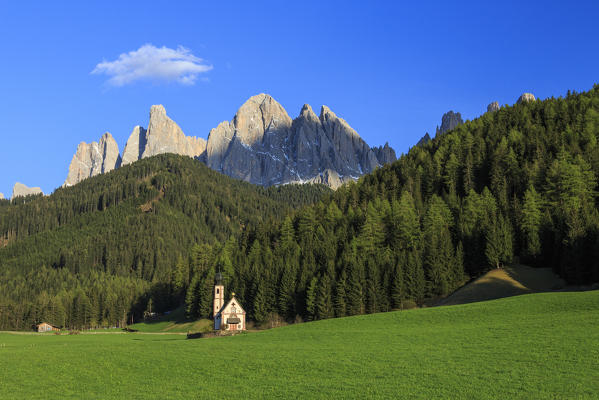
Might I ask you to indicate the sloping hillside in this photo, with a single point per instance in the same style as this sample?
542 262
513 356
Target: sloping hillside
93 254
520 181
505 282
538 346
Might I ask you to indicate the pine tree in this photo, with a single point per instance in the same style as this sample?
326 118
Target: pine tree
340 295
355 292
323 300
181 276
531 222
311 299
286 298
405 223
498 249
259 307
397 287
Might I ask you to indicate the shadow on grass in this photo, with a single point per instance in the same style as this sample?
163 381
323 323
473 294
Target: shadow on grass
492 288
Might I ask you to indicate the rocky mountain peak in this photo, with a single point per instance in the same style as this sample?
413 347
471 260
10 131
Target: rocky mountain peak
449 121
157 111
257 115
93 158
326 114
525 98
261 145
22 190
494 106
385 154
136 144
165 136
424 140
307 113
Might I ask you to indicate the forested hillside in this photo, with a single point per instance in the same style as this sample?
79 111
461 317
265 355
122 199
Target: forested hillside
93 254
517 182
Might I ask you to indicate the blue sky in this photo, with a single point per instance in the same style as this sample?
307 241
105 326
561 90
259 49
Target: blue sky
391 69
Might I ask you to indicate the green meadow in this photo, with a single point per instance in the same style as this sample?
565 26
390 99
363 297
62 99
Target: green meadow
531 347
174 322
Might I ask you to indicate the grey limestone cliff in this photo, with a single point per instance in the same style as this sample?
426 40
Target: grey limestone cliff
135 146
22 190
449 121
494 106
162 136
385 154
93 158
263 145
165 136
525 98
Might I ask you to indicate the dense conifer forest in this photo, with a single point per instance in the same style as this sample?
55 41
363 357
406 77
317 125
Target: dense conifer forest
95 253
520 182
515 184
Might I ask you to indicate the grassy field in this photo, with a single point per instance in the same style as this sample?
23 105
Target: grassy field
174 322
532 346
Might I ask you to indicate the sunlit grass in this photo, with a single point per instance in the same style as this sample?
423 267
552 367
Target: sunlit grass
530 346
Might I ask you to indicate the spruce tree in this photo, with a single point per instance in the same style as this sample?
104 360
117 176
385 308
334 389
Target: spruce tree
311 294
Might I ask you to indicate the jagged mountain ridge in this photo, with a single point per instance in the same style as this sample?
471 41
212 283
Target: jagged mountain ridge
260 145
263 145
94 158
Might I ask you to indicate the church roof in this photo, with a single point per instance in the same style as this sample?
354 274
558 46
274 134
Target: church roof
240 311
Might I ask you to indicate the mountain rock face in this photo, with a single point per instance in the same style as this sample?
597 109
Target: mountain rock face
264 146
330 178
261 145
1 196
494 106
449 121
385 154
93 158
162 136
21 190
165 136
135 146
525 98
424 140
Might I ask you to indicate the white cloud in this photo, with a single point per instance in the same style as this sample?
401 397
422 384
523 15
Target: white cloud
154 64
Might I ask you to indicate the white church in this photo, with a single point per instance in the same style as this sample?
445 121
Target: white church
230 316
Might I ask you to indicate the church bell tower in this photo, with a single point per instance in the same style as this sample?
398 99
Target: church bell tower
219 295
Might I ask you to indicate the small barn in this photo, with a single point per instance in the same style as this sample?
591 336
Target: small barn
45 327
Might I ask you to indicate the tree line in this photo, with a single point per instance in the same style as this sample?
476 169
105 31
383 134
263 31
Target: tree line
112 241
518 184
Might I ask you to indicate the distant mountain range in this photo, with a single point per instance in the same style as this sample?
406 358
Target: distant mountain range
260 145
